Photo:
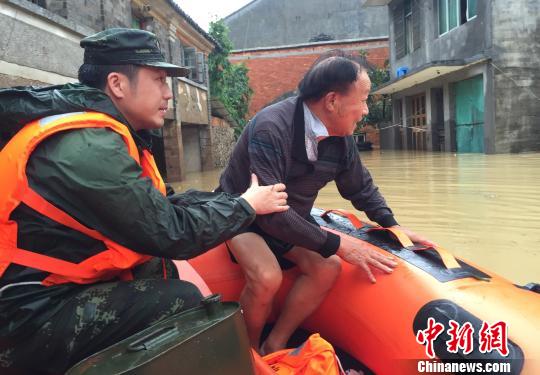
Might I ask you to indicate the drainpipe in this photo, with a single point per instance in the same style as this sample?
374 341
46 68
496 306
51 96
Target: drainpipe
177 118
174 81
208 93
102 16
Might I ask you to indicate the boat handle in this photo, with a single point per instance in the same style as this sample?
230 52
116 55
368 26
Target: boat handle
399 235
356 222
154 339
447 258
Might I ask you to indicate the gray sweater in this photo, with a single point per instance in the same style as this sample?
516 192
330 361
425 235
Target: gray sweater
273 147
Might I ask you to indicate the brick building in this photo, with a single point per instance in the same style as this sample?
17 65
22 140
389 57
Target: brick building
276 71
278 40
40 46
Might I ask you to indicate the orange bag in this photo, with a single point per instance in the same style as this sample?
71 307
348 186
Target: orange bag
314 357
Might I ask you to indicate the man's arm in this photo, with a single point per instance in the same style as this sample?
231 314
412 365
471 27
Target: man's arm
355 183
89 174
268 155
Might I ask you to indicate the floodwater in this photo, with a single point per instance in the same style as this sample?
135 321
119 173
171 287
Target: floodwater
484 208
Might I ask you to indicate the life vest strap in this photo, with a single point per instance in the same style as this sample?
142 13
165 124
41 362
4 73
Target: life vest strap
52 265
39 204
62 271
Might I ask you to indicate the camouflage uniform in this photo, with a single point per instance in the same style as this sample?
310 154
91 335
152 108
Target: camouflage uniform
70 322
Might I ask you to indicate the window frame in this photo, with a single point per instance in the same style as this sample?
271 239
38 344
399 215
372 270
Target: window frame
458 15
408 26
468 7
197 62
447 4
407 30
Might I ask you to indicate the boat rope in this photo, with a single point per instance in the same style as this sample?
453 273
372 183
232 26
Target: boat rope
417 128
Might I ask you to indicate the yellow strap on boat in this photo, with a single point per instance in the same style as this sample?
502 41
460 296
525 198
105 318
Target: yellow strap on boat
403 239
356 222
447 258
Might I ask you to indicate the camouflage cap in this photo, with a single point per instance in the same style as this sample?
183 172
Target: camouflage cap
120 46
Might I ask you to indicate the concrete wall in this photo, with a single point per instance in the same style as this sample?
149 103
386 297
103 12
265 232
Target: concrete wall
162 33
59 7
473 38
273 72
40 46
11 81
174 151
264 23
192 149
43 44
95 14
193 103
516 39
223 141
37 46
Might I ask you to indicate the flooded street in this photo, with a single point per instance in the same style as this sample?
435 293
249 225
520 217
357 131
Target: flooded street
484 208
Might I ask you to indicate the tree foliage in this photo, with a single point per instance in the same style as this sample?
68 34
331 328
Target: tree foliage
228 82
380 106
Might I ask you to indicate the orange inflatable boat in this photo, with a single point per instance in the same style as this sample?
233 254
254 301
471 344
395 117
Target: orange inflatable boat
435 313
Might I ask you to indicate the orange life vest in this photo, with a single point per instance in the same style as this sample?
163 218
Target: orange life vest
116 260
315 356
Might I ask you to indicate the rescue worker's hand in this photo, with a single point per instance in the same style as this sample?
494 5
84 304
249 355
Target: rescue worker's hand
266 199
416 238
365 256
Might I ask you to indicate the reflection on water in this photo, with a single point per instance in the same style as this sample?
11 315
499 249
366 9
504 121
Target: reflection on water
483 208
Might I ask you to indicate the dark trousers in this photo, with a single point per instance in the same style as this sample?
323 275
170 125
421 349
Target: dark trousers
87 319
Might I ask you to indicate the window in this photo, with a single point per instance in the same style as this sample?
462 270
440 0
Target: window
406 20
418 113
418 122
453 13
189 61
195 61
137 23
141 18
408 26
40 3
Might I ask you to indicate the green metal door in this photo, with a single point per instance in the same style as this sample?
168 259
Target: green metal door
469 99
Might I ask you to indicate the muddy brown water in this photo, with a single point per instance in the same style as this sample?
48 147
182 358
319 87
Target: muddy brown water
484 208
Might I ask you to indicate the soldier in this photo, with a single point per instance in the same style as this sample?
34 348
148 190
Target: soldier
86 229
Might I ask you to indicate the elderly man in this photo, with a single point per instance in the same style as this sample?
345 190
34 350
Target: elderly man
86 229
304 142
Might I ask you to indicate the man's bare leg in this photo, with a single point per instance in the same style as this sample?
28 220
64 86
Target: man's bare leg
263 279
310 288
